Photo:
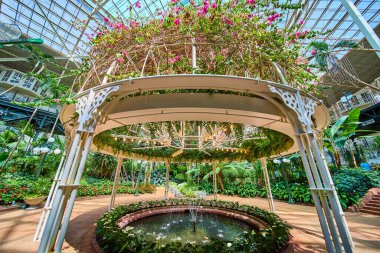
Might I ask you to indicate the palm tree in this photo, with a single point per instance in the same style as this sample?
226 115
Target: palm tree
326 59
238 171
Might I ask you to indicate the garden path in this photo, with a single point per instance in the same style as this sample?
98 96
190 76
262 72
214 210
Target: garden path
17 227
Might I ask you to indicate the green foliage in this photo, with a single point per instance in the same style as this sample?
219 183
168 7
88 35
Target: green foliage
272 142
114 239
18 186
323 51
353 184
100 165
345 127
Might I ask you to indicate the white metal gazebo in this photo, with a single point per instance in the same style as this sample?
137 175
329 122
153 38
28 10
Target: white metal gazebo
267 104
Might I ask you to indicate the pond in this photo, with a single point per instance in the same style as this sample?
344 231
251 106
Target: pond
179 226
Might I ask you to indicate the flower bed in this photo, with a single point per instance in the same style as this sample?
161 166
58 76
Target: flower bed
112 238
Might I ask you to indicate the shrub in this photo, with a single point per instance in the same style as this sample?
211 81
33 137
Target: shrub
353 184
16 187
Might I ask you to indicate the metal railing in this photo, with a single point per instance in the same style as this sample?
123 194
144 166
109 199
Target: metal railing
362 101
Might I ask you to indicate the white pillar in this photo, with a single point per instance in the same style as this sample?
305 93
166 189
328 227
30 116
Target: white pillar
267 184
363 25
214 180
115 182
88 111
72 192
167 164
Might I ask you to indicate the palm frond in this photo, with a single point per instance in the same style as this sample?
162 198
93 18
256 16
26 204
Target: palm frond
319 45
346 44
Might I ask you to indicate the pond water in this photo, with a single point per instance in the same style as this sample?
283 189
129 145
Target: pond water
179 226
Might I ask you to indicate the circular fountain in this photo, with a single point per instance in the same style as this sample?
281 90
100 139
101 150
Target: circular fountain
187 225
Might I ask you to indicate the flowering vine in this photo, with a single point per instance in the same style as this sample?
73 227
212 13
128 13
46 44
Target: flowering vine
239 37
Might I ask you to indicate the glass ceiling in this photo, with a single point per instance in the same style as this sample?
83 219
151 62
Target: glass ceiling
55 21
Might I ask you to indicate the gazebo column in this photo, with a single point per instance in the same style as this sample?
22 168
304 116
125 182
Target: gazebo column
319 178
267 184
72 192
214 180
63 200
331 193
167 164
319 198
52 192
115 182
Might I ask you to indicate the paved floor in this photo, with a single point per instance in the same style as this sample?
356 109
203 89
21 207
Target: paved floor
17 227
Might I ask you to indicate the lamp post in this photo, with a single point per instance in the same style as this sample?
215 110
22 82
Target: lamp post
285 175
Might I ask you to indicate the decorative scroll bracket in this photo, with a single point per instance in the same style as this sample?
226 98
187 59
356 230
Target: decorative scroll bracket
87 106
303 106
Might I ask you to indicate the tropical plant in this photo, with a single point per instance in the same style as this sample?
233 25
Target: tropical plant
337 134
100 165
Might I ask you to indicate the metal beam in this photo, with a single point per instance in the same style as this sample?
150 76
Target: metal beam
51 25
17 59
363 25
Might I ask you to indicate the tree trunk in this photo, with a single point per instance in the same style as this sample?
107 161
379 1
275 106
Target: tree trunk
145 174
133 178
152 165
220 180
337 159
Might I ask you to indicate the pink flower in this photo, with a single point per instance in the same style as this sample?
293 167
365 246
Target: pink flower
175 59
301 22
119 60
106 19
224 52
299 60
213 5
177 21
56 100
313 52
134 23
227 21
138 4
297 35
174 1
124 53
251 1
99 33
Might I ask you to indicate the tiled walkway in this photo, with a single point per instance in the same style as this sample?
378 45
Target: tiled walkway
17 227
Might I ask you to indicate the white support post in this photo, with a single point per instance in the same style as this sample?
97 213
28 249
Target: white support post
314 194
363 25
267 184
63 200
321 185
167 164
47 207
214 179
320 190
115 182
73 188
193 54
